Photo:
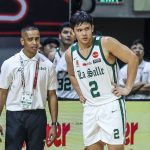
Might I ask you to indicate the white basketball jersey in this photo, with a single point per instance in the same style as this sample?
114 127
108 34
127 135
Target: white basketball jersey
65 89
94 74
57 56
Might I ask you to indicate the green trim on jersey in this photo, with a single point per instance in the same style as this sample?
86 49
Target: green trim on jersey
101 50
58 50
93 43
73 48
114 72
120 100
98 42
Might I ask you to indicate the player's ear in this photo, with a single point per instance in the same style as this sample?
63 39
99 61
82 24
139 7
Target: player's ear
22 41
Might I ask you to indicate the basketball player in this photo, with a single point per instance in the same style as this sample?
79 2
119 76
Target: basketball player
92 68
65 90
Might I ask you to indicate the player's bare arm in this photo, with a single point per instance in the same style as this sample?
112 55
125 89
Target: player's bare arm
114 49
71 75
53 108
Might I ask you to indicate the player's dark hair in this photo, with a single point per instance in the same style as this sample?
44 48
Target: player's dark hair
51 40
64 25
80 17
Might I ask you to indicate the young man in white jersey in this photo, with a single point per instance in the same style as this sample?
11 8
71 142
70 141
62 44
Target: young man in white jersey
141 87
27 81
65 90
92 69
67 38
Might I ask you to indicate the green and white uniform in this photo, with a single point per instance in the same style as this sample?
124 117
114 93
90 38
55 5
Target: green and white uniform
95 76
57 57
65 89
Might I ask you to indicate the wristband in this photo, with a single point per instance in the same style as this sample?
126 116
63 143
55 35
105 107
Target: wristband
55 123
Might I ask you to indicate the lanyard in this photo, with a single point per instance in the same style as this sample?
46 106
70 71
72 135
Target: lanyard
35 76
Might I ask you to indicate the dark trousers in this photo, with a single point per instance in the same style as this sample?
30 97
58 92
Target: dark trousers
27 126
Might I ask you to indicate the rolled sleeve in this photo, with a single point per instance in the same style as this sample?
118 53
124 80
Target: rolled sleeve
5 76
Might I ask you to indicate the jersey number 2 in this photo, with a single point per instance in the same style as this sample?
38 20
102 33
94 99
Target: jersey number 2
94 89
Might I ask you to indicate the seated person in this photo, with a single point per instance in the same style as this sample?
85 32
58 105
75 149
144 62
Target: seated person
49 47
141 88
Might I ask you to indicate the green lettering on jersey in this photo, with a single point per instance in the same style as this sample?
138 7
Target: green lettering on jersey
63 81
94 89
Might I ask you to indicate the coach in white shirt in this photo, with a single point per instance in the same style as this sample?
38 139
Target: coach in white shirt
27 80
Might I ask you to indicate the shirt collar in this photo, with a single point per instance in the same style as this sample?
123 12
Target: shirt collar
24 57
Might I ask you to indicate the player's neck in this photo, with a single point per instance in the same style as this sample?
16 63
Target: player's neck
87 46
64 47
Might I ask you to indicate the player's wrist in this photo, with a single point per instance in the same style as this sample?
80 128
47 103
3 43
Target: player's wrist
55 123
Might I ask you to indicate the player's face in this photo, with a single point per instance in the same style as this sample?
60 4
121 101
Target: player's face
49 48
31 41
83 32
67 36
138 49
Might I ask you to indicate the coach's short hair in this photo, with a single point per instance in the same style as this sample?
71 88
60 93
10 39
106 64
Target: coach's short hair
28 28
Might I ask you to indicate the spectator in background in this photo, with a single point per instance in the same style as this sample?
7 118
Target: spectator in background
49 47
65 89
40 50
27 79
141 88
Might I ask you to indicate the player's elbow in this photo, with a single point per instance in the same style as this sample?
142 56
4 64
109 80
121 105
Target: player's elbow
133 59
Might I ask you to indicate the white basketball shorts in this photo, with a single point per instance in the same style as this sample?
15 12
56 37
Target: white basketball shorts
104 123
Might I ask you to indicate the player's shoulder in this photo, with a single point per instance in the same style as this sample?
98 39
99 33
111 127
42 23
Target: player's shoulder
70 49
108 39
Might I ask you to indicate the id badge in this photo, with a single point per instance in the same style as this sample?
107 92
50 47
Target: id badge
26 100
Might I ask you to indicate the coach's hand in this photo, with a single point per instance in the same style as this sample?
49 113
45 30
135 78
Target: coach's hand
52 134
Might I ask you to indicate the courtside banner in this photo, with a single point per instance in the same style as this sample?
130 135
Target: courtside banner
70 129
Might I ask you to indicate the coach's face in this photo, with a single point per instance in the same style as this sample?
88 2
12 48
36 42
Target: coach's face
31 41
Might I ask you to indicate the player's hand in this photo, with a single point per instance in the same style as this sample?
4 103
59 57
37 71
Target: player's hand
82 99
52 134
119 91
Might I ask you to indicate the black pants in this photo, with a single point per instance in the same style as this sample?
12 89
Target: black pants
27 126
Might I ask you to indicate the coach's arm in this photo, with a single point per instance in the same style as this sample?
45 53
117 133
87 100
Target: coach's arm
3 96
